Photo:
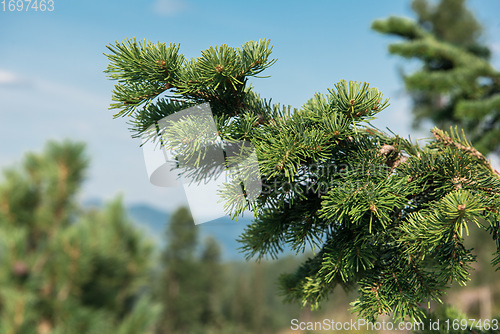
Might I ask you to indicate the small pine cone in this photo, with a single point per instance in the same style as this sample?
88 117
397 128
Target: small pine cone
260 120
399 161
387 150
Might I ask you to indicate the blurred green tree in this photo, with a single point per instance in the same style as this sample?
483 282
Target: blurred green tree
190 284
451 22
456 84
213 277
62 269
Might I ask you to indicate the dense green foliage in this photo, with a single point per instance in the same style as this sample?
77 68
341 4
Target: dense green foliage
64 270
456 84
382 213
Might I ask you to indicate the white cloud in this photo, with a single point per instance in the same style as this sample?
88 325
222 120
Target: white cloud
495 47
495 57
12 80
495 161
7 77
58 110
170 7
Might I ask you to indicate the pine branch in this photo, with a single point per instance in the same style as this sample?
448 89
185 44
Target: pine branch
462 144
385 214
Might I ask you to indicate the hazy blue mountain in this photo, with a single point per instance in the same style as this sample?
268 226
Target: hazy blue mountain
149 219
224 230
153 221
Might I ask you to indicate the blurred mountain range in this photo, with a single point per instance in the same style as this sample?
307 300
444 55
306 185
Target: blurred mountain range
153 222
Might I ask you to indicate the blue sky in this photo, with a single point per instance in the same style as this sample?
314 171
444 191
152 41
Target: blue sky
52 84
